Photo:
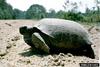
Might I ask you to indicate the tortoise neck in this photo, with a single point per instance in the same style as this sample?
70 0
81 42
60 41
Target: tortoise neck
36 30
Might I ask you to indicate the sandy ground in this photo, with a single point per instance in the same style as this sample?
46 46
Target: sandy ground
14 52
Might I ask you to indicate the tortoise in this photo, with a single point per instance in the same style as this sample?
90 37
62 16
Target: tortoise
55 35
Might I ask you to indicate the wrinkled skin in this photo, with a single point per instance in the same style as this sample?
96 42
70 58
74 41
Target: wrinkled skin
58 37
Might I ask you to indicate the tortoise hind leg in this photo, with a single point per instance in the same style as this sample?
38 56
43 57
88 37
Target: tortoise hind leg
89 52
39 42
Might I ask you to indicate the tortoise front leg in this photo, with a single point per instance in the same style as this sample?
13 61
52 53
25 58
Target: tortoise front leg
39 42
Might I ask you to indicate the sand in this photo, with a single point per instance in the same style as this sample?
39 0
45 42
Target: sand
14 52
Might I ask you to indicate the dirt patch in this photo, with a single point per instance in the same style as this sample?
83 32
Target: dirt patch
14 52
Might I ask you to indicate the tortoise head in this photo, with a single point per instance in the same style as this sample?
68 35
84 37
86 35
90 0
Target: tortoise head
34 37
27 34
25 30
28 31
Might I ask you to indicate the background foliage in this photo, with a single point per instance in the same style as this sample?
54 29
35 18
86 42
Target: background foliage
36 11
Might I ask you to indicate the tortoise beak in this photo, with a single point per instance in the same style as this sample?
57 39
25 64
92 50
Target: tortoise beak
23 29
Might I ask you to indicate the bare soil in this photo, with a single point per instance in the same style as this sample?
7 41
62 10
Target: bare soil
14 52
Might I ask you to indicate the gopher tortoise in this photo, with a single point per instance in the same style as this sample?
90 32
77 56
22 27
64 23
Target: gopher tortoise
58 35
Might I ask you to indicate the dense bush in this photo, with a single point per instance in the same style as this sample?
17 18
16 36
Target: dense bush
18 14
36 11
6 11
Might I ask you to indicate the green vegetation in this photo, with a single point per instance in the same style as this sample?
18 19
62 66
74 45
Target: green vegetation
18 14
36 11
6 11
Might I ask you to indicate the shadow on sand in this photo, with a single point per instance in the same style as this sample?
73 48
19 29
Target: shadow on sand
32 51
